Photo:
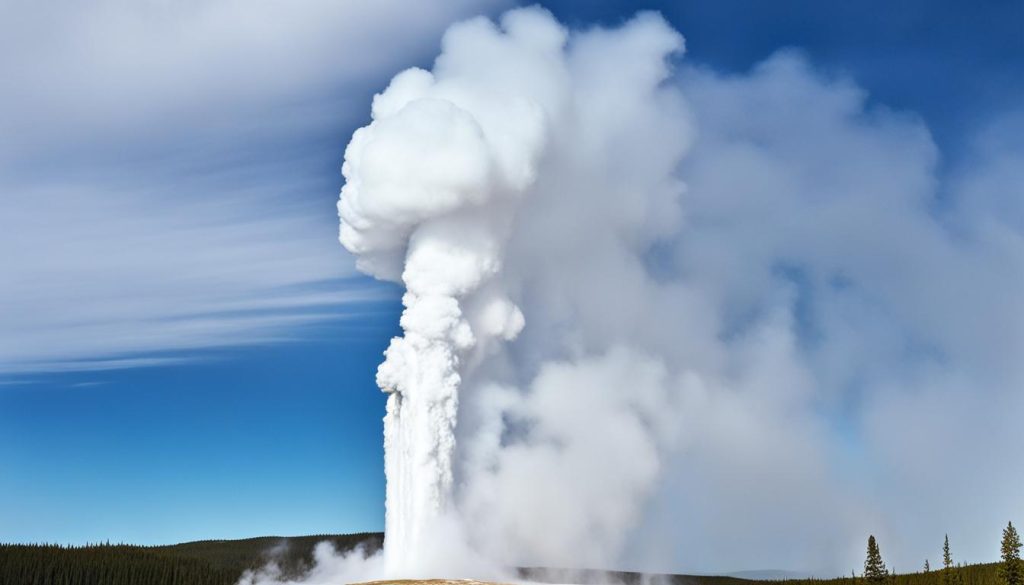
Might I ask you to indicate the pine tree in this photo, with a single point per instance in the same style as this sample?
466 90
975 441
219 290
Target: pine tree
1011 571
948 578
927 567
874 569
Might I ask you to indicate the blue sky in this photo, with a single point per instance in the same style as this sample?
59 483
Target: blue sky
283 439
185 350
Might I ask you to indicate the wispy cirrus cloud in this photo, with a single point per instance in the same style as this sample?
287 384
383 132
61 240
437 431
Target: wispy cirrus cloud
168 171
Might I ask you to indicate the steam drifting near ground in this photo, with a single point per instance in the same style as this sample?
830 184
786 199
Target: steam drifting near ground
647 304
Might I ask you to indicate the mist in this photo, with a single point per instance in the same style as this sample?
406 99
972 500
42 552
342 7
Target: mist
663 319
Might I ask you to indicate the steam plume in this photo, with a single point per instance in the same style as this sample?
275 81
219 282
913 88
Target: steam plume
451 190
604 368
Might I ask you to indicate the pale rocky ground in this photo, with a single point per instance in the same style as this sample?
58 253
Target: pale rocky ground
430 582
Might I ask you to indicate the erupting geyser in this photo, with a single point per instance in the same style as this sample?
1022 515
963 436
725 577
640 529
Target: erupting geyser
432 187
466 174
604 368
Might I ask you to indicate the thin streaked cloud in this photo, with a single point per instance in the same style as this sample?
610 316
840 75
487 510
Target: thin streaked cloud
179 196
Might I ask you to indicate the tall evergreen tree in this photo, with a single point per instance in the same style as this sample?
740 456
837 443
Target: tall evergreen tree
1011 571
927 567
948 577
874 569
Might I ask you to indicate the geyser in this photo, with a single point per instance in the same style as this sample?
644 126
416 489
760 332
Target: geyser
523 151
602 369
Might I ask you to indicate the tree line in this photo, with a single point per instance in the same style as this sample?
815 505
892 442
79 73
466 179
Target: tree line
104 565
1009 571
213 562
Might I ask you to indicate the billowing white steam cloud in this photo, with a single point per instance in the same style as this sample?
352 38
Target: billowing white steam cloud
604 367
479 186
